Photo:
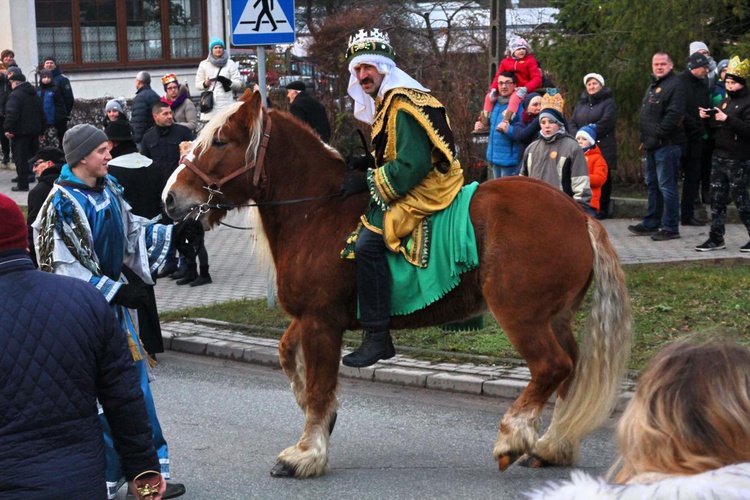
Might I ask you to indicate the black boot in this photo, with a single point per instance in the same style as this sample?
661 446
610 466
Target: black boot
376 345
190 276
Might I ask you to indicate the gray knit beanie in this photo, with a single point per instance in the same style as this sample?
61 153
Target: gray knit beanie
113 104
80 140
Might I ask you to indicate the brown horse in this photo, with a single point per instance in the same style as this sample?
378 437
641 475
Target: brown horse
538 253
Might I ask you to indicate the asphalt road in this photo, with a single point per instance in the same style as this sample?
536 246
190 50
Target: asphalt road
226 422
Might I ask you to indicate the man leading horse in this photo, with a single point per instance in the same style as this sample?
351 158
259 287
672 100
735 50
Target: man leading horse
413 174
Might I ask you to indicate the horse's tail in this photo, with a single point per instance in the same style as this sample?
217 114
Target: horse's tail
601 364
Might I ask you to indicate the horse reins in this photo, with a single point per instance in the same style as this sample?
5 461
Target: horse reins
213 186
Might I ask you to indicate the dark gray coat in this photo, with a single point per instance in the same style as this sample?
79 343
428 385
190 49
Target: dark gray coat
599 109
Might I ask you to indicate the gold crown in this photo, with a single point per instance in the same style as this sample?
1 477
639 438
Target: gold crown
738 68
370 42
553 100
168 79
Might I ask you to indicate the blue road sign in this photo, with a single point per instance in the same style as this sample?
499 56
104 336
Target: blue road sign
262 22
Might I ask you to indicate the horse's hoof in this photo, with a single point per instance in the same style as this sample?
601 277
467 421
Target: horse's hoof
534 462
282 470
505 461
332 423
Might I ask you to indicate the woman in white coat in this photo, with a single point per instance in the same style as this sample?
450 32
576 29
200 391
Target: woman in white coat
219 74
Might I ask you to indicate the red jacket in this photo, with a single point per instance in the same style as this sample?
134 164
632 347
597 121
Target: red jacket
597 174
527 72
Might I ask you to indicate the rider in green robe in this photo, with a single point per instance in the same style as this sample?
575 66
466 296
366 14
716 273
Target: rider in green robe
414 174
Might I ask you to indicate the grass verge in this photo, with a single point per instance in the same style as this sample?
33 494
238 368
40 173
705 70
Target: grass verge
695 300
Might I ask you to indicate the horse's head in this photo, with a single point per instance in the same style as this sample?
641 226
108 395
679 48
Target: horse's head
227 149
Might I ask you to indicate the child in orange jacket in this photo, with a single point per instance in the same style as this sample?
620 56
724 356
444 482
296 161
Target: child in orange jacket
528 75
586 138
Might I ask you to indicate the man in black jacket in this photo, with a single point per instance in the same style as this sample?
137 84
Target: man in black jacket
66 91
53 445
695 83
145 97
24 123
47 165
308 109
662 138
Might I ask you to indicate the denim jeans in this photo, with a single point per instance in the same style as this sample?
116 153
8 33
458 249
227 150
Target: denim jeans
662 168
499 171
373 279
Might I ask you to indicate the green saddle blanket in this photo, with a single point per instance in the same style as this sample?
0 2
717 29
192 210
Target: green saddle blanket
452 252
446 248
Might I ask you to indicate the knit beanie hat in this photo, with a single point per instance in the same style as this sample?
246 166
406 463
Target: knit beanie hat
215 40
81 140
696 46
13 229
596 76
722 66
46 73
517 43
588 132
113 104
696 60
16 76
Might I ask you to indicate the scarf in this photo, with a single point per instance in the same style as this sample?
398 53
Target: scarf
364 104
220 62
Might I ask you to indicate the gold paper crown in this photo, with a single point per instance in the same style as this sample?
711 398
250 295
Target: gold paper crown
167 79
553 100
370 42
738 68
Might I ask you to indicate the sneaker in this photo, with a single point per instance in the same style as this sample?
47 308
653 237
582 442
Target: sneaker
664 235
712 244
745 247
641 230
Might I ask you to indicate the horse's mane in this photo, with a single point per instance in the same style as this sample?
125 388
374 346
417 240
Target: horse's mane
217 122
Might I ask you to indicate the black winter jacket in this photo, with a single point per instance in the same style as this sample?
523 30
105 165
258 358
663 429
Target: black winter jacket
5 89
24 114
142 186
162 144
61 349
662 113
63 84
600 109
311 111
733 136
696 96
141 118
36 199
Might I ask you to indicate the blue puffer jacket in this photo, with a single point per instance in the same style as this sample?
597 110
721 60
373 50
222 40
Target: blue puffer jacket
61 349
502 150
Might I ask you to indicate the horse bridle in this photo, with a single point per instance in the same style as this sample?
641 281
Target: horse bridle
213 186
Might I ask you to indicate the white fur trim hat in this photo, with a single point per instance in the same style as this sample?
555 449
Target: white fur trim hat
596 76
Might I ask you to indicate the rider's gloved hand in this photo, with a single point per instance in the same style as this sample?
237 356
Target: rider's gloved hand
361 163
355 182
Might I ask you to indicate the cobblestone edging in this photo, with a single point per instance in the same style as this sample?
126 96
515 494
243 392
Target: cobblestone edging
213 338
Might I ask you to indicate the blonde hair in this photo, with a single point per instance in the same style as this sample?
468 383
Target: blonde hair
690 413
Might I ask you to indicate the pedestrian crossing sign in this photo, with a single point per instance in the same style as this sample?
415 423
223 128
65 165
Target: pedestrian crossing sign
262 22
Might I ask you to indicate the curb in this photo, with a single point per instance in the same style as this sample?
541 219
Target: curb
506 381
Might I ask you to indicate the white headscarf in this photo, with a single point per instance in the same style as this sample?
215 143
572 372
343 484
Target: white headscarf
364 105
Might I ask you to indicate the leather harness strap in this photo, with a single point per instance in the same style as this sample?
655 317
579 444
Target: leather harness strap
215 185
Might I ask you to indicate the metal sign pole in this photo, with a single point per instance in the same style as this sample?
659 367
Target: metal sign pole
261 53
